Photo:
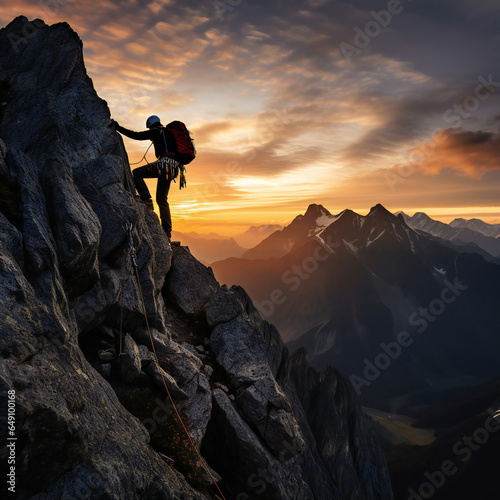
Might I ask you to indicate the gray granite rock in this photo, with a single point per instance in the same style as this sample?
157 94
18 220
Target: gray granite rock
223 307
190 284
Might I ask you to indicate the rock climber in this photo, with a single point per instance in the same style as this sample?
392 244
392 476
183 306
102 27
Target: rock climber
165 169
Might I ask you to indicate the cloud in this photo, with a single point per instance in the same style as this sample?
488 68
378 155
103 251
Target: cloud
209 131
400 120
471 153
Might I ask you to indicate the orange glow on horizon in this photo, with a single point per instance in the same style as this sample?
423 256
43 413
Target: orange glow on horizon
231 224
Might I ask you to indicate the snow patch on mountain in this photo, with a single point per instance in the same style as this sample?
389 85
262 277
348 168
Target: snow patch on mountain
369 242
325 220
350 246
324 339
440 271
326 245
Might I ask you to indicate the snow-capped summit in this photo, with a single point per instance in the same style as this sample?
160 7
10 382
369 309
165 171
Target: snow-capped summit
315 220
358 231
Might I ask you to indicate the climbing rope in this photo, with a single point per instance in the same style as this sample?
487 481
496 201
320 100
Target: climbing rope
146 232
122 205
134 264
143 157
121 324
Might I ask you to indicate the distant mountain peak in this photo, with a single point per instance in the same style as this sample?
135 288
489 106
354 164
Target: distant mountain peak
347 214
380 227
486 229
460 231
315 220
255 234
420 218
315 210
315 215
379 209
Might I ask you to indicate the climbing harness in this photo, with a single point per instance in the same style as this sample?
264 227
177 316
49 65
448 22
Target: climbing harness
167 168
129 228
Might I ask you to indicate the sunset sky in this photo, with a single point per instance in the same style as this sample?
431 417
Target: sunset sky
292 102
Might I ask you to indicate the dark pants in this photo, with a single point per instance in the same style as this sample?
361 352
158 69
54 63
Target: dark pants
162 188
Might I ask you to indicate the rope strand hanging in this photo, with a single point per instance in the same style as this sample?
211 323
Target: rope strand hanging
143 156
133 259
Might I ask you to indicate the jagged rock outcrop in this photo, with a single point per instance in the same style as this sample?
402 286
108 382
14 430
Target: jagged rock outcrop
93 419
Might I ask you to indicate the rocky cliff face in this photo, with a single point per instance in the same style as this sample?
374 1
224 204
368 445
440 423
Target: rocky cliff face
93 419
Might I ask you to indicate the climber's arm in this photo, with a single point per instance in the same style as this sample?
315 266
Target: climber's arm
138 136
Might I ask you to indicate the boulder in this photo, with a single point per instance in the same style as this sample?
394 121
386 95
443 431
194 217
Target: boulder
190 285
223 307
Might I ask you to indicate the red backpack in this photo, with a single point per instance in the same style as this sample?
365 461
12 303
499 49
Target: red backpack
185 144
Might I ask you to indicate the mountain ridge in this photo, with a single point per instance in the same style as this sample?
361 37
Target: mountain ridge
478 225
397 268
462 234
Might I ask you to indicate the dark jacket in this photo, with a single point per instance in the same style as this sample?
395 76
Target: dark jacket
163 140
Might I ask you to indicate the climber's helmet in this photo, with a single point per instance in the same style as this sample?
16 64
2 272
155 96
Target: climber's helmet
152 121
